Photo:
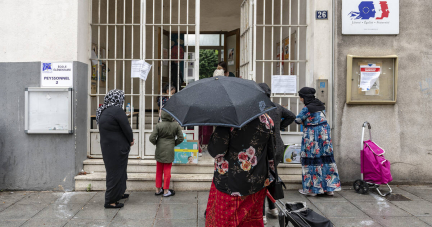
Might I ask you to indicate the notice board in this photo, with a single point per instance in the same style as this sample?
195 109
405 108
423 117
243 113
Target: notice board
365 88
48 111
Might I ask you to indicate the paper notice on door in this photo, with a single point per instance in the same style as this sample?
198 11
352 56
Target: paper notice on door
284 84
146 67
136 68
369 75
140 69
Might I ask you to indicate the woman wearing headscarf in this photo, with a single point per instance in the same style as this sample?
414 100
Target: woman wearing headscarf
116 138
242 161
320 174
219 71
282 117
225 69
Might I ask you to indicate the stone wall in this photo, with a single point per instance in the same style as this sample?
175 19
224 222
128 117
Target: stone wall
404 129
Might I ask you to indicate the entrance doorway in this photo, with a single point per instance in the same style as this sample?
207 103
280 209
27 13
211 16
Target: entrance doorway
257 39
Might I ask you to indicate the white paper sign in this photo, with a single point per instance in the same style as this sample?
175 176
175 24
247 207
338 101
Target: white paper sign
140 69
56 74
377 17
284 84
145 71
368 76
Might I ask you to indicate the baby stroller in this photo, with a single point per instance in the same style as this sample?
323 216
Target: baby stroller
375 169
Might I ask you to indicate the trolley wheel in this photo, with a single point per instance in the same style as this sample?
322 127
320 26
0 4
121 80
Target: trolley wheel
361 187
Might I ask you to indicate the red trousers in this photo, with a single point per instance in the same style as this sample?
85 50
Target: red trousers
165 169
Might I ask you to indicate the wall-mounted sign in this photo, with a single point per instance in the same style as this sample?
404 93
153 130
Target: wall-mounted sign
56 74
321 15
377 17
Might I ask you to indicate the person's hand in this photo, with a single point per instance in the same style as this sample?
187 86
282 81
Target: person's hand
132 143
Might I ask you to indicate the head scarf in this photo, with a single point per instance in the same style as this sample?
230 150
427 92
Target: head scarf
313 104
113 98
218 72
265 88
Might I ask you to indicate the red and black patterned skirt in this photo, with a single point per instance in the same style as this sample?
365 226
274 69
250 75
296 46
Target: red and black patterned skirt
225 210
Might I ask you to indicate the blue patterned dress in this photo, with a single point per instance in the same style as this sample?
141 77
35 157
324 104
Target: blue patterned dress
319 169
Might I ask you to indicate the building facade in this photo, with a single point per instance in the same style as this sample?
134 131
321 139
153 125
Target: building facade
258 39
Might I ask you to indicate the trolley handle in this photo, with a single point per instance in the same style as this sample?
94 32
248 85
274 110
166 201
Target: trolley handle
370 133
368 124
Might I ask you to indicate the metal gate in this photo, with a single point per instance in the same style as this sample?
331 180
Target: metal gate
127 30
273 42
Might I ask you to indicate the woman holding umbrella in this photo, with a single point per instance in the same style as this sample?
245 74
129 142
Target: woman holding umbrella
241 144
242 158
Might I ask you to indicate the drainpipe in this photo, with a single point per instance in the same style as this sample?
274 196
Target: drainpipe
333 63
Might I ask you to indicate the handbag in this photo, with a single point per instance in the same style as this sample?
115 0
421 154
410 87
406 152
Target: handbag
275 187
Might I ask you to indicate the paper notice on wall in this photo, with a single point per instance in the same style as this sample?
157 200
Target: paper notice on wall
284 84
369 75
140 69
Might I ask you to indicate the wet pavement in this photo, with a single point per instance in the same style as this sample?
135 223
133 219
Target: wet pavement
410 206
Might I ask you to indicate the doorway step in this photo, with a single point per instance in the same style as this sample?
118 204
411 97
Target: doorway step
195 177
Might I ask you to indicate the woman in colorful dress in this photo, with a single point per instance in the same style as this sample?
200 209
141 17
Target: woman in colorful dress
320 174
242 161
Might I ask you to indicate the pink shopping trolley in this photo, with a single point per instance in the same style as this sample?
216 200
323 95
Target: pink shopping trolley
375 169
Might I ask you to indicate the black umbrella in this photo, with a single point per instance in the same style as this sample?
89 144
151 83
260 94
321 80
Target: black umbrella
219 101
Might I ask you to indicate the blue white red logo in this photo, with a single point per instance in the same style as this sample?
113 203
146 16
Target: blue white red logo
371 10
46 68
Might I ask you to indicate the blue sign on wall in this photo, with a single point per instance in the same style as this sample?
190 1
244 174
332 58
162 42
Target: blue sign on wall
322 84
321 15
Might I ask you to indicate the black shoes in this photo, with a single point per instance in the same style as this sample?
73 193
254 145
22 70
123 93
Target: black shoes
125 196
118 205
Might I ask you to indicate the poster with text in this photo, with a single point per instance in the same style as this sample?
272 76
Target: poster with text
284 84
360 17
369 74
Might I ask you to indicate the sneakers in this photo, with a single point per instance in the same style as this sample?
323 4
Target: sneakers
170 193
306 193
265 220
330 193
160 192
274 212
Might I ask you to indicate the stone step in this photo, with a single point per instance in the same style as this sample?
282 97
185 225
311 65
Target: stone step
179 182
205 166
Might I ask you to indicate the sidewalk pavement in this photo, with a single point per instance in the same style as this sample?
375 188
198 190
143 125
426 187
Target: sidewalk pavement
346 208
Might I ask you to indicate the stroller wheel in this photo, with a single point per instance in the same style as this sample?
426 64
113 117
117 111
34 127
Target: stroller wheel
361 187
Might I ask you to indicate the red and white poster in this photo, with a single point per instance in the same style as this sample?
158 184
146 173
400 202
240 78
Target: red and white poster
369 74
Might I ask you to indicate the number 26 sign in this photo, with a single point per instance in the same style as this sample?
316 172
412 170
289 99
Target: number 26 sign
321 15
